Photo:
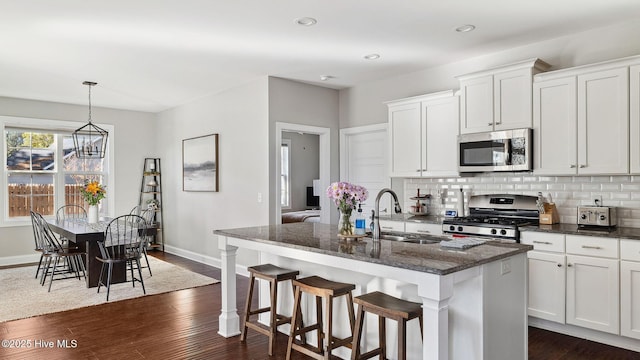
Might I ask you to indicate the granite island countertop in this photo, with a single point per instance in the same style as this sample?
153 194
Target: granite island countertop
429 258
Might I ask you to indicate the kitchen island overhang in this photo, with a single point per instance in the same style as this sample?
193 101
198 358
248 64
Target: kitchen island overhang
487 320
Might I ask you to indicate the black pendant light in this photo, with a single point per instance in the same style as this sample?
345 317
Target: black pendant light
90 141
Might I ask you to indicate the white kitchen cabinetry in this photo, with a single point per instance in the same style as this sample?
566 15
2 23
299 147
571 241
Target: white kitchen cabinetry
593 283
547 271
391 225
423 228
499 98
581 120
405 131
634 117
630 288
423 135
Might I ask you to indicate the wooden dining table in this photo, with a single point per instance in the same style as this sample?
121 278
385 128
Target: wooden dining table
86 236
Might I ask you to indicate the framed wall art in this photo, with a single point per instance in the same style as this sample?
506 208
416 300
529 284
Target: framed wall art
200 163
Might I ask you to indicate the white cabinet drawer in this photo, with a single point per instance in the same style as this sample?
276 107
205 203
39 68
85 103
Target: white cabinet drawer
423 228
543 241
592 246
630 249
389 225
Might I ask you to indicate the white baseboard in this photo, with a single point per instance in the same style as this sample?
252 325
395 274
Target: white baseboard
203 259
20 259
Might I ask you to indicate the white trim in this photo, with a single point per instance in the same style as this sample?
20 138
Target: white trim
60 126
325 164
201 258
288 144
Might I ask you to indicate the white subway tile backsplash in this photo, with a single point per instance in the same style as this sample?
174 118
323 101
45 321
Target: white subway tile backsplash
567 192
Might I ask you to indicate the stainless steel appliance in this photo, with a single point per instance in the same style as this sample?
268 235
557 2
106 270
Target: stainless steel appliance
597 216
508 150
495 216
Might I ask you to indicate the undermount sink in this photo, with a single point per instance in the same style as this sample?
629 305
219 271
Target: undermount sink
408 238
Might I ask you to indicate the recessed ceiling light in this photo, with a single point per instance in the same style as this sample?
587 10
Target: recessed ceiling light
372 56
465 28
306 21
326 77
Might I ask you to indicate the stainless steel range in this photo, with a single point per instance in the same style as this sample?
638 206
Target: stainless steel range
495 216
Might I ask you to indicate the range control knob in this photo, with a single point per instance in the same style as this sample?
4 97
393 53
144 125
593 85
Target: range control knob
583 216
459 228
494 231
503 232
452 228
603 218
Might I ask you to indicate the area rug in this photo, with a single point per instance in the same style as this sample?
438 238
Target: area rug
21 295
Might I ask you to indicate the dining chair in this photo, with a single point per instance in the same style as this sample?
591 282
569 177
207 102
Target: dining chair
123 242
70 212
40 244
147 215
54 252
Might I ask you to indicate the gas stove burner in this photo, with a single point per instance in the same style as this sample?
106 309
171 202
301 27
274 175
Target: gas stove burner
494 216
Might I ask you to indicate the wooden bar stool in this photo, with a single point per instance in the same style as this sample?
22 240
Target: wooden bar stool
274 275
321 289
384 306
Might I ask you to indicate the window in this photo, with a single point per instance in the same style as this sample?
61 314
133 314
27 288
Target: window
42 172
285 171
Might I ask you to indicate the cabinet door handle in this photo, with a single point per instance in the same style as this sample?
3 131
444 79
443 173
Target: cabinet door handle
569 265
387 227
591 247
418 170
424 231
490 124
498 122
542 242
583 166
573 166
559 265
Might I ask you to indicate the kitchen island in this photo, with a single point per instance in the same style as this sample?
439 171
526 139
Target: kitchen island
474 300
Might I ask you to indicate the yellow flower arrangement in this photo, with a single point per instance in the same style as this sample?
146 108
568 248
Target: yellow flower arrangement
93 192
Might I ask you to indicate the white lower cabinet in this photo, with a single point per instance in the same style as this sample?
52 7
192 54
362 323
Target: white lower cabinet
630 288
593 293
423 228
547 286
576 280
391 225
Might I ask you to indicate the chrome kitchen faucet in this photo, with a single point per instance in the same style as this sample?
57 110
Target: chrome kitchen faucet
376 214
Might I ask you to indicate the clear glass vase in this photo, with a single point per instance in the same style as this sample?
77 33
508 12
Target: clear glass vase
345 226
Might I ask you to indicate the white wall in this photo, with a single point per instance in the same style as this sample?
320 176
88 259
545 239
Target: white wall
240 117
297 103
134 140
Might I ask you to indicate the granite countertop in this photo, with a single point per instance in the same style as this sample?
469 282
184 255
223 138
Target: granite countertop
429 258
572 229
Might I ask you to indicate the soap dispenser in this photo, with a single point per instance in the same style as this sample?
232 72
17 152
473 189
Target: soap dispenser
360 221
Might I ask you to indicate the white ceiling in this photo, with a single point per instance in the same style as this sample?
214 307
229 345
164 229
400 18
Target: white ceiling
151 55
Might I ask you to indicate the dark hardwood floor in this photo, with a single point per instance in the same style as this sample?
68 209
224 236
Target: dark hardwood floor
183 325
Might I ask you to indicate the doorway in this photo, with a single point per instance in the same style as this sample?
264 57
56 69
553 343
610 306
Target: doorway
324 165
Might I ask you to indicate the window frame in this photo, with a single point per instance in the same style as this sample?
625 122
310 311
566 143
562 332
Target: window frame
287 143
56 127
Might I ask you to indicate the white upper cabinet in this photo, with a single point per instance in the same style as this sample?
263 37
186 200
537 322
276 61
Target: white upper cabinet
555 130
423 135
405 131
581 121
603 122
634 116
499 98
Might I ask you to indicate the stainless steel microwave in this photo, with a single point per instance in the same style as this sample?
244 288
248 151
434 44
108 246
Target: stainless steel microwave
508 150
